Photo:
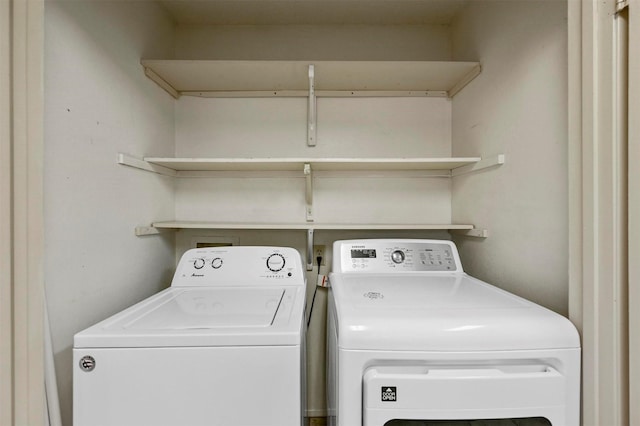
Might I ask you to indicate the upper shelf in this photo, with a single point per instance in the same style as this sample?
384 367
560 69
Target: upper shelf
291 78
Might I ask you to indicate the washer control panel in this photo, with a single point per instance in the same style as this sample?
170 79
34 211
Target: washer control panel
239 265
392 256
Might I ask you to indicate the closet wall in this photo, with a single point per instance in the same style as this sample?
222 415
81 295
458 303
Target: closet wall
99 103
516 106
321 40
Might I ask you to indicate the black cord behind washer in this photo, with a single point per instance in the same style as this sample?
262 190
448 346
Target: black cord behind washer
315 291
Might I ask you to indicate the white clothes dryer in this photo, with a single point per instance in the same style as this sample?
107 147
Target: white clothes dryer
414 341
224 345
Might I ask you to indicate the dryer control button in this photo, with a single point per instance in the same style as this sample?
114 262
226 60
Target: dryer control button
275 262
216 263
198 263
398 256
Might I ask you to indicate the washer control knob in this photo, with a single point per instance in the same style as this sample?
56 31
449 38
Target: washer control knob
216 263
275 262
198 263
397 256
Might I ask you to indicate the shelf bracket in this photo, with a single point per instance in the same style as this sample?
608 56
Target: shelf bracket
142 231
311 112
128 160
161 82
485 163
465 80
308 191
310 249
477 233
621 5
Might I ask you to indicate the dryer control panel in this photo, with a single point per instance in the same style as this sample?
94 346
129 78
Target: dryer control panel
393 256
239 265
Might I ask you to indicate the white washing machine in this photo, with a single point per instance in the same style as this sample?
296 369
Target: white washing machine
223 346
414 341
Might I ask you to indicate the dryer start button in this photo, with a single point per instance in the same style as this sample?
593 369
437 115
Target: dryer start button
398 256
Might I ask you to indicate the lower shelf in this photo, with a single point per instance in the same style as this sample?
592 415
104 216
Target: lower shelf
310 227
458 229
307 226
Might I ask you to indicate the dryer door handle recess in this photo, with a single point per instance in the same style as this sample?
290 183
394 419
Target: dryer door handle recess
497 392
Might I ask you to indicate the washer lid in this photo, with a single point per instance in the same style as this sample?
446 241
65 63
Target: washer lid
202 316
205 308
451 312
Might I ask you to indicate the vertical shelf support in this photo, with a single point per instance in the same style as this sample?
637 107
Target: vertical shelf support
311 112
310 249
309 191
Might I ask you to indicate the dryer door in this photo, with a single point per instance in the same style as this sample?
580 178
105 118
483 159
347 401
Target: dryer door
409 395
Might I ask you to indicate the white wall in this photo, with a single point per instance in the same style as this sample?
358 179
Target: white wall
391 127
316 42
98 103
346 127
517 106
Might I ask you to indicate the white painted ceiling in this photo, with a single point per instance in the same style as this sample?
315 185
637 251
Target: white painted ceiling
314 12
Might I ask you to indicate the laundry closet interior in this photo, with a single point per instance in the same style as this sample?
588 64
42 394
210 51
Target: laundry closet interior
170 124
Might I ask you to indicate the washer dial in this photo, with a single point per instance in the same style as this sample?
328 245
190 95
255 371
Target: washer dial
398 256
198 263
275 262
216 263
